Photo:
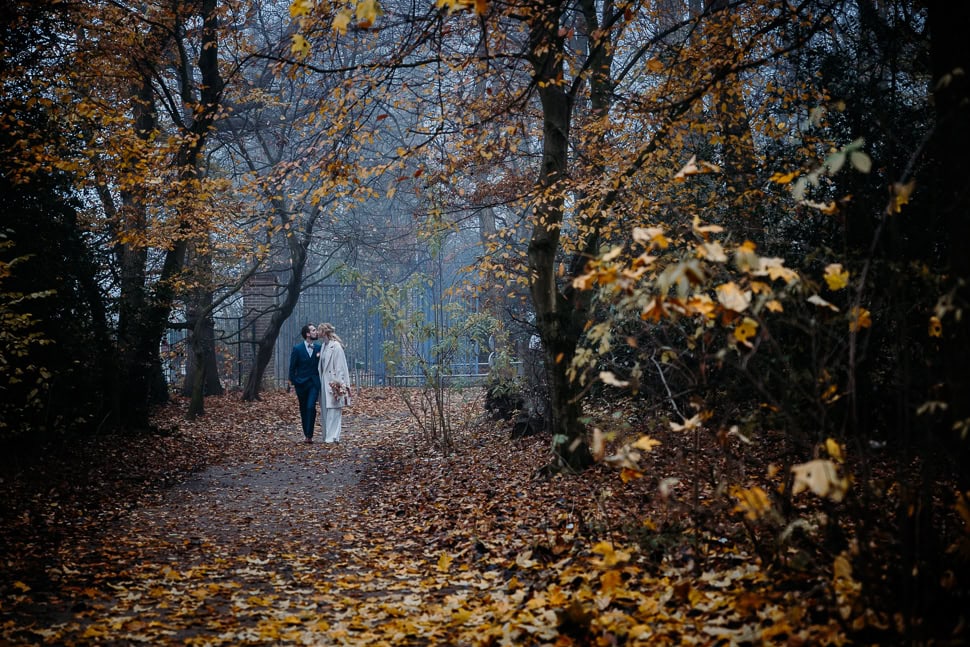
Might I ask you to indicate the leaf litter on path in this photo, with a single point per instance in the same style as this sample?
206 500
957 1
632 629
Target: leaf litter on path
264 540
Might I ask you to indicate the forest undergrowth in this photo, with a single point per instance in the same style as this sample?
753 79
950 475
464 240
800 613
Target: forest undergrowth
229 531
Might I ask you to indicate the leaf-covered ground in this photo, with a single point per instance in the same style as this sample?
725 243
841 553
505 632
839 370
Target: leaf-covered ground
229 531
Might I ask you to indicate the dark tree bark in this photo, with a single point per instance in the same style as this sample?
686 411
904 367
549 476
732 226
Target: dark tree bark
297 247
136 355
202 372
148 310
559 322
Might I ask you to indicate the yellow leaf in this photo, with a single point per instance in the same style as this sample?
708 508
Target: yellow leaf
831 394
753 502
713 252
783 178
836 277
701 305
650 236
775 306
611 556
936 327
842 568
585 281
705 229
170 573
745 257
859 318
367 12
300 8
775 268
524 560
597 445
900 196
962 506
643 261
95 631
444 563
746 330
646 443
613 253
760 287
834 449
20 586
628 474
693 167
299 47
610 580
340 22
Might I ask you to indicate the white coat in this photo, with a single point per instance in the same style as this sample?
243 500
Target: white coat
333 368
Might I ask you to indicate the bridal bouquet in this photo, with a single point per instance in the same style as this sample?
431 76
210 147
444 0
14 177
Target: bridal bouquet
339 391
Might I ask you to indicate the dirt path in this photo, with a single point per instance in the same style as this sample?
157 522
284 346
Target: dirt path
241 552
288 497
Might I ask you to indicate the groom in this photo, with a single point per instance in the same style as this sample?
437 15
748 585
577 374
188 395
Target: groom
305 378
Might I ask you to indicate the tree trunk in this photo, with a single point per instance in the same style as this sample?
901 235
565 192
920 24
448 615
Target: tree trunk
297 247
202 353
135 354
197 388
145 314
554 317
202 336
267 342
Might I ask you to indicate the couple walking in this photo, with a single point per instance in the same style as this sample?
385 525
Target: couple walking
316 367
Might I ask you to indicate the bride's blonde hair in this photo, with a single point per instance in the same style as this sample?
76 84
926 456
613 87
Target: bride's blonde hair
331 332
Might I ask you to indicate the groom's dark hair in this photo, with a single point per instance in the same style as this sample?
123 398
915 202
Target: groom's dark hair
304 331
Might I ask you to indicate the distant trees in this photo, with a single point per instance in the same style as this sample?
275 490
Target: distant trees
617 98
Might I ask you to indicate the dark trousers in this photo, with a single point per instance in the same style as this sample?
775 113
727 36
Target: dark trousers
308 397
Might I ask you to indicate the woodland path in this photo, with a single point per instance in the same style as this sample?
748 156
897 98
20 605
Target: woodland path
295 496
240 552
229 531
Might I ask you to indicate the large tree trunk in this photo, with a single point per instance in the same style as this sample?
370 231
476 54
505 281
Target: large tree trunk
554 316
145 315
202 373
297 249
267 341
202 353
135 355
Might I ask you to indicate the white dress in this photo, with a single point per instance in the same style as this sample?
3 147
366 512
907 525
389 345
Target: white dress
333 368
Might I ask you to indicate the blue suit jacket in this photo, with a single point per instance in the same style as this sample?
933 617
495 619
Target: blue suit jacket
303 367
